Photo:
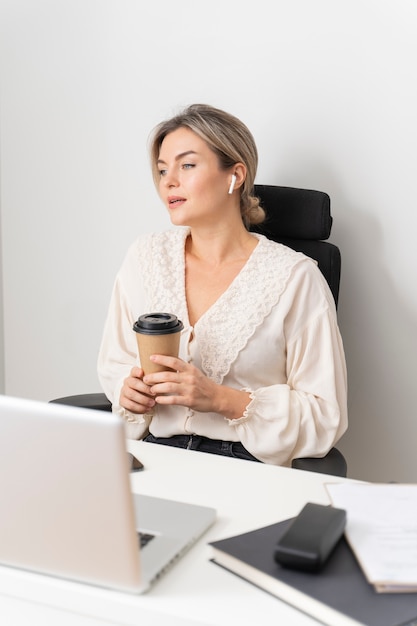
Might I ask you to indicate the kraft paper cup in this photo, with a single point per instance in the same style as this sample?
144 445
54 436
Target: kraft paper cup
157 333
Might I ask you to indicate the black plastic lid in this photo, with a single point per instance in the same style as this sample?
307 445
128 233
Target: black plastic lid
158 324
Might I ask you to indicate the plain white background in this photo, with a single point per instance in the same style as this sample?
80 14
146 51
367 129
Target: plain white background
329 90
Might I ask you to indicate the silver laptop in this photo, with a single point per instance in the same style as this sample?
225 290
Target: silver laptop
66 504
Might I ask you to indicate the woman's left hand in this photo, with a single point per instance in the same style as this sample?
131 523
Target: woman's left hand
186 385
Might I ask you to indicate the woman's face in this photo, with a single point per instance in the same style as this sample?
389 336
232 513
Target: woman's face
192 186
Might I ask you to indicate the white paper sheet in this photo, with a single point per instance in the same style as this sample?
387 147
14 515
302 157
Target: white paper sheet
381 529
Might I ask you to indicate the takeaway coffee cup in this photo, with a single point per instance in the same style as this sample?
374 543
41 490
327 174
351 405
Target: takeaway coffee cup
157 333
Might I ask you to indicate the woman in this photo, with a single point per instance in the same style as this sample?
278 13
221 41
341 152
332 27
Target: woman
261 370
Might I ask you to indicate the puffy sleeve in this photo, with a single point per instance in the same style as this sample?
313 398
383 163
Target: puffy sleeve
118 351
303 412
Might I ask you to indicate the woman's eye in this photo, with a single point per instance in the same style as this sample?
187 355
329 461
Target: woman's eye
188 166
162 172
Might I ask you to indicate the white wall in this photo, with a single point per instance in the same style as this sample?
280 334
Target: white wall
1 307
328 89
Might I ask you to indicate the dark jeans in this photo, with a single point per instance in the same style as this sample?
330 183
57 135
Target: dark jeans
204 444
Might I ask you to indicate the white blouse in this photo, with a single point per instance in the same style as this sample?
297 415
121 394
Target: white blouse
273 332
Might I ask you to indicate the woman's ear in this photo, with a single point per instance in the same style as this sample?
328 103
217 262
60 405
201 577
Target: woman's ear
238 177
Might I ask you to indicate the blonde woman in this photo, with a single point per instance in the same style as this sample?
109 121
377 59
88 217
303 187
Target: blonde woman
261 372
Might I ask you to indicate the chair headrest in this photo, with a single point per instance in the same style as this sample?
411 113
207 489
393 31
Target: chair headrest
294 213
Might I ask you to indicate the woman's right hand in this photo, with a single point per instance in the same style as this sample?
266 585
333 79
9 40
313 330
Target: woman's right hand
135 395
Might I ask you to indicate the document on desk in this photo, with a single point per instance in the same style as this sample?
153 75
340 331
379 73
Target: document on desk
381 530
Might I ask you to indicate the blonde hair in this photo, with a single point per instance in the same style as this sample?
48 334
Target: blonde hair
228 138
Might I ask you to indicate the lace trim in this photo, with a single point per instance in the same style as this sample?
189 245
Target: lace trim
225 329
163 265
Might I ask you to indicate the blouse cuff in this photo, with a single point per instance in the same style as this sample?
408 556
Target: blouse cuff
136 424
249 410
131 418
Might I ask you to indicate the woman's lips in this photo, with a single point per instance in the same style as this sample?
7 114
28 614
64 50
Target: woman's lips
175 201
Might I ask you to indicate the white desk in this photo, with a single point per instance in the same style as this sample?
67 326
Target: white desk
195 591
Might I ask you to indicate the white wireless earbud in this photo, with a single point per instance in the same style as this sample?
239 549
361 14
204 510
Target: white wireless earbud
232 184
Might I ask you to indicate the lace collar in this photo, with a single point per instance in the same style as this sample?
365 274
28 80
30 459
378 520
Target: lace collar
224 330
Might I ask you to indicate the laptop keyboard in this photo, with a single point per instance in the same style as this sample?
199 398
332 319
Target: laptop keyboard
144 538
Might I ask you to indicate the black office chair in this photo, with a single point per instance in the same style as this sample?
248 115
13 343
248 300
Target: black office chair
300 219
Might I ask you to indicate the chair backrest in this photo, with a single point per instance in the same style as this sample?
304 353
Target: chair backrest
301 219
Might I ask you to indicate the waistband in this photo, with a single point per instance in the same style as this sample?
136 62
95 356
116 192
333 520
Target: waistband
204 444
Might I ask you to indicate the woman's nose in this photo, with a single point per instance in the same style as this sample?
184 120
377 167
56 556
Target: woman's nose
170 179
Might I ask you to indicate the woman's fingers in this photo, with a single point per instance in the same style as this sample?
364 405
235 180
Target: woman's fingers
135 395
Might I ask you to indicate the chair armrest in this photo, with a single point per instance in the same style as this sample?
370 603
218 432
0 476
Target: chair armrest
97 401
333 463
